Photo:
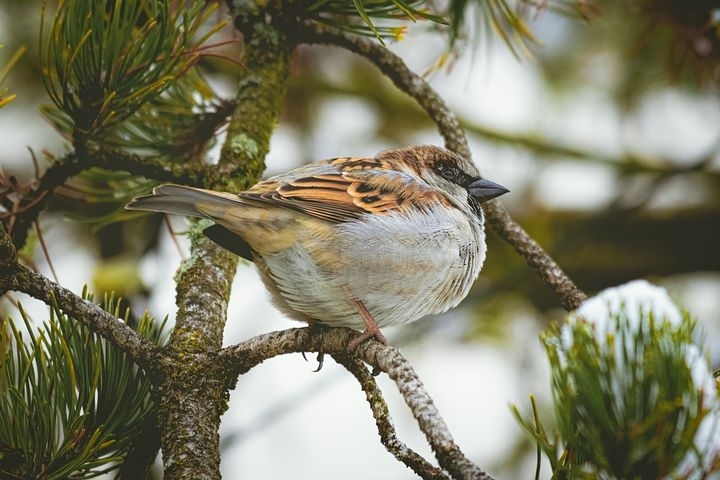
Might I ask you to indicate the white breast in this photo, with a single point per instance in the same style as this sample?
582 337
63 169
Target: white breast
402 267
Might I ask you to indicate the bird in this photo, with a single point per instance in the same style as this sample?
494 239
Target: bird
359 242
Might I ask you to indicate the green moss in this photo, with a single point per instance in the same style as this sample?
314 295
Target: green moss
185 265
260 96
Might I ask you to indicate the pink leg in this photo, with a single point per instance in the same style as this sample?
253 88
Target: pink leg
371 328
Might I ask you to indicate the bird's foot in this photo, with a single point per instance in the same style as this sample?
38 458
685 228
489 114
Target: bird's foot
315 327
366 335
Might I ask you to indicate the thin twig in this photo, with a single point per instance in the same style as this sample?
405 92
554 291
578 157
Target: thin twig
392 66
447 452
385 427
569 295
140 350
35 200
43 246
398 72
239 359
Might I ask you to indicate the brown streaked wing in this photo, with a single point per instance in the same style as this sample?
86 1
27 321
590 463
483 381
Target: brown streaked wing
344 196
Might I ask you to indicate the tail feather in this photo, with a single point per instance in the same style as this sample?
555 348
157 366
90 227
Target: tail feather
171 198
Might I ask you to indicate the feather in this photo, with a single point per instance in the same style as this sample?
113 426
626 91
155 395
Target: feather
171 198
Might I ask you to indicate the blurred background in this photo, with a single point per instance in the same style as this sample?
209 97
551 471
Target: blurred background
605 127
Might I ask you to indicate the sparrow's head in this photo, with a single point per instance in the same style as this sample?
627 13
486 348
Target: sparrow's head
446 171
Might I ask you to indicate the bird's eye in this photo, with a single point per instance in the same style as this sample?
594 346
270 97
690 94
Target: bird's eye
449 172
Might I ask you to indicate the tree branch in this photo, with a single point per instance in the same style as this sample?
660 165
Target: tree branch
398 72
569 295
192 393
35 200
21 279
385 427
392 66
241 358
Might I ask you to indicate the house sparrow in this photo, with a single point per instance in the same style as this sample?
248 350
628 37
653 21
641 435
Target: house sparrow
353 241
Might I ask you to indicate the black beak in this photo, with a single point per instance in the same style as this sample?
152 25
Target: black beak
484 190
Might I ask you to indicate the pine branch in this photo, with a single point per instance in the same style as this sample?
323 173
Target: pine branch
72 404
35 200
501 17
14 276
360 17
95 71
633 394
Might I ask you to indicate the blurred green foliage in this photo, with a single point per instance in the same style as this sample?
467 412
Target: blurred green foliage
6 97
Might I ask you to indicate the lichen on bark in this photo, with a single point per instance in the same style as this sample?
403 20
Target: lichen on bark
190 378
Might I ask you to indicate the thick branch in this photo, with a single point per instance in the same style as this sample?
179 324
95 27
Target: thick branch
242 357
203 292
192 394
392 66
259 99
